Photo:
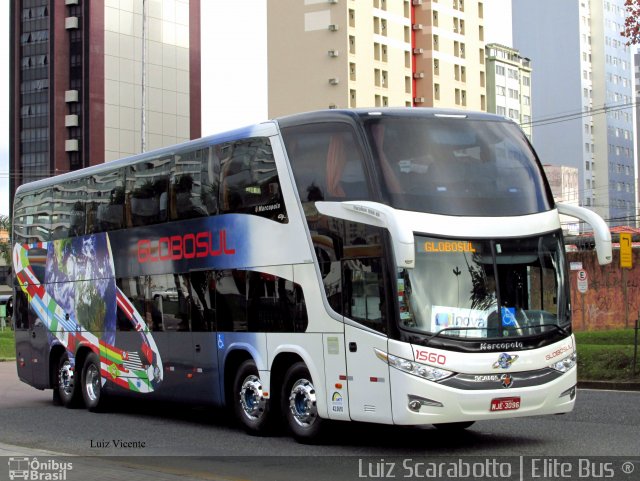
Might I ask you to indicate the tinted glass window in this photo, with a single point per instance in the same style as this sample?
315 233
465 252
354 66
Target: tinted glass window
106 194
69 210
258 302
364 288
458 166
202 292
275 304
327 162
134 291
31 220
231 300
172 297
188 197
210 179
147 191
249 181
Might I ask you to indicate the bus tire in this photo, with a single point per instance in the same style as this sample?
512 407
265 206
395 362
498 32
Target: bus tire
460 426
299 405
92 383
250 406
68 383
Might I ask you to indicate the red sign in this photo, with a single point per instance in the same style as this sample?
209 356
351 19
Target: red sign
505 404
187 246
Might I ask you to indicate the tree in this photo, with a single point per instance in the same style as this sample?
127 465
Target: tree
632 22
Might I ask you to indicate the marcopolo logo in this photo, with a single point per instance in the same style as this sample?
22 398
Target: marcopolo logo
33 469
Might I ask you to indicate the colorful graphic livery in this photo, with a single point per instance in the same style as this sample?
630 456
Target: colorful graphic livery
397 266
84 314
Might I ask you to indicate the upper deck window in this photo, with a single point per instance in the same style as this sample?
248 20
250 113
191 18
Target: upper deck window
327 162
460 167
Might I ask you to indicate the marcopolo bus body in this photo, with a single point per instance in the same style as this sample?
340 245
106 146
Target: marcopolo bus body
397 266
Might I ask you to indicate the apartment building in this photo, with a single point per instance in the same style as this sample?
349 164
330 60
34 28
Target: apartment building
509 85
375 53
583 97
97 80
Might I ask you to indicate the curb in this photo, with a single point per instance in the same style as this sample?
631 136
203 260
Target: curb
610 385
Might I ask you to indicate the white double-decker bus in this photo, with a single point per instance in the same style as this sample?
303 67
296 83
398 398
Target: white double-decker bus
396 266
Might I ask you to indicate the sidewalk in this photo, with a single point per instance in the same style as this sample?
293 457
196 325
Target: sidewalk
610 385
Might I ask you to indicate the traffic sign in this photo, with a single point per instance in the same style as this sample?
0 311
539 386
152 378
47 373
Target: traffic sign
583 283
626 254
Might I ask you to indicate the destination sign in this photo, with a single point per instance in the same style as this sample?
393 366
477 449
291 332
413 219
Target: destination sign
448 246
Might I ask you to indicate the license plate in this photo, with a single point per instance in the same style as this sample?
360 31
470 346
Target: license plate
505 404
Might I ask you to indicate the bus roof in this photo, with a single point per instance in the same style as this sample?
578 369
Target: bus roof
363 113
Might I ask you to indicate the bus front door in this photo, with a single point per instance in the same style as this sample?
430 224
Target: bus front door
367 374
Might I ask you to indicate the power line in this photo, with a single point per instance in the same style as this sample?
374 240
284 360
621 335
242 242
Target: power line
579 114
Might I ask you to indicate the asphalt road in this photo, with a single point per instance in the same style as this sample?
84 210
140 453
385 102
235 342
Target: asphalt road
604 423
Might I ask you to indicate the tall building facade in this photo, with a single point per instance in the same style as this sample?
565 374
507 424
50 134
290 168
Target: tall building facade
582 97
509 85
636 69
374 53
98 80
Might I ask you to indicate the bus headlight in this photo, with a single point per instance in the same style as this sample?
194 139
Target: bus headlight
429 373
563 365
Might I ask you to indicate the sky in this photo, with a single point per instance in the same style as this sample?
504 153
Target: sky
234 67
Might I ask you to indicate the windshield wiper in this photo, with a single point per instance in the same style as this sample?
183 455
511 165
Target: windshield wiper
556 326
455 329
437 334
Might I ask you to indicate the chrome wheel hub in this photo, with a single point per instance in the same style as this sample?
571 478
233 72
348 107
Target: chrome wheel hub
252 398
302 403
92 382
65 378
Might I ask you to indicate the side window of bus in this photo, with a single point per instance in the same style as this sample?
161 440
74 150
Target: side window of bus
231 300
251 301
249 181
21 311
341 246
275 304
106 196
327 162
364 290
32 217
69 211
210 180
130 288
187 195
147 186
173 298
203 296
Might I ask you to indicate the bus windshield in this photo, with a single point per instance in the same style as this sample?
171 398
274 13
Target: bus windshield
485 288
457 166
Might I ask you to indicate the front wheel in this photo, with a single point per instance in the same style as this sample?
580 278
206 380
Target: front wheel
92 383
249 403
299 404
68 382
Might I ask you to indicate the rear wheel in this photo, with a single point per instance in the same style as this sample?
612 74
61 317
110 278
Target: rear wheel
68 382
249 403
92 383
299 404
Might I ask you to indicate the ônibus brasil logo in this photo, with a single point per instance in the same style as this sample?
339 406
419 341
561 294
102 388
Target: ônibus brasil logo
33 469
